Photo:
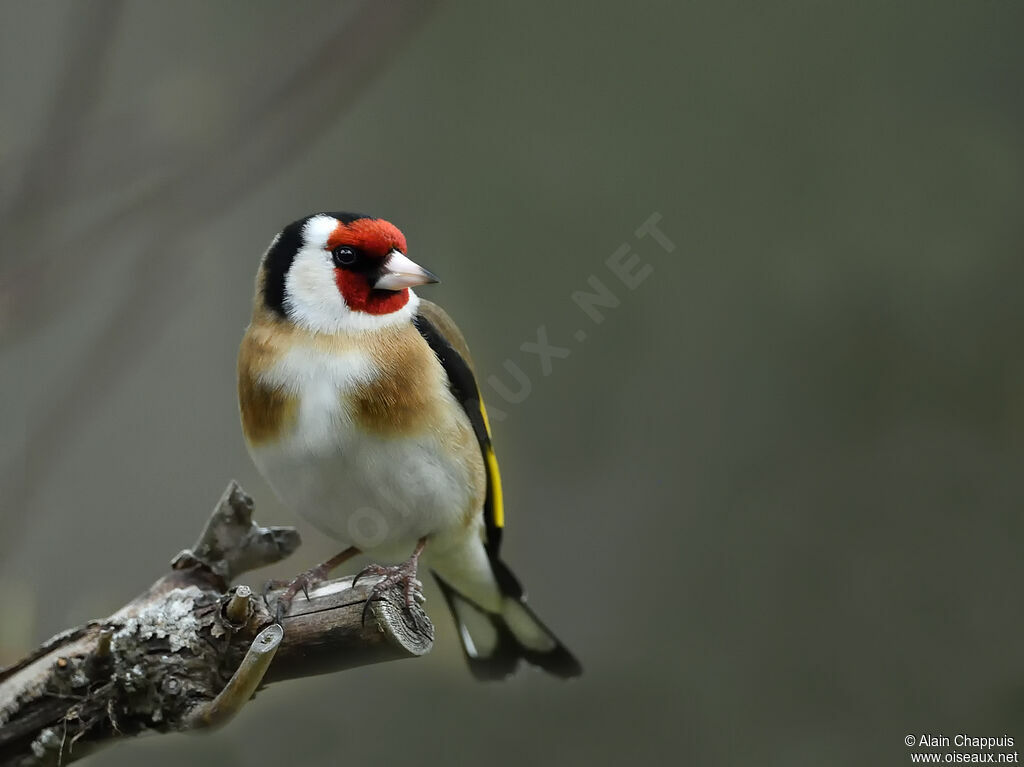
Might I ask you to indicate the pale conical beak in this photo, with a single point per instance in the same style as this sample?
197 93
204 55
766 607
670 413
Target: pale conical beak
402 272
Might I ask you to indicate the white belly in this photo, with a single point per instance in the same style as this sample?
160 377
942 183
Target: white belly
380 494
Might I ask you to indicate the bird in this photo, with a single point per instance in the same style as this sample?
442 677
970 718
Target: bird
360 408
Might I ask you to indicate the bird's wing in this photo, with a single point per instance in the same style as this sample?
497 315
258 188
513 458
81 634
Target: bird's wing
450 348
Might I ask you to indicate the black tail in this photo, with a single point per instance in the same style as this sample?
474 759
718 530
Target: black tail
494 642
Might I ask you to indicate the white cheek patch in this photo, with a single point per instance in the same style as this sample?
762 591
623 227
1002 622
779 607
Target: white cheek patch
312 299
311 296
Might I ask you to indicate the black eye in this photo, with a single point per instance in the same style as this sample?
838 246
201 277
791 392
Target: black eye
345 256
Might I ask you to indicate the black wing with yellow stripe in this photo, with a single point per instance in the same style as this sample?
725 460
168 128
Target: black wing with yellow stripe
448 345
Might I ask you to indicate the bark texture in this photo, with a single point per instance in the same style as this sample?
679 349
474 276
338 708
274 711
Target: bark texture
191 650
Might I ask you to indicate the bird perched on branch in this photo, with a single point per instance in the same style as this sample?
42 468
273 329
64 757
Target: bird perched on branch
360 408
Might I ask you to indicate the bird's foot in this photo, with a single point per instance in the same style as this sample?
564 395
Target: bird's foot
402 576
303 582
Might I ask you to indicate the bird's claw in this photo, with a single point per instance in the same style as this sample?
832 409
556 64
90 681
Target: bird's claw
403 575
271 585
302 582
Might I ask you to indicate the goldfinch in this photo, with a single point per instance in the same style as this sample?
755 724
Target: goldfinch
360 408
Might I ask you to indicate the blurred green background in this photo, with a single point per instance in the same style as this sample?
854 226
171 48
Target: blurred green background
772 500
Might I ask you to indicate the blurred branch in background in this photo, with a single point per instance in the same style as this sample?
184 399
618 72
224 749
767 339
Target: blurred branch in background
51 158
269 127
189 653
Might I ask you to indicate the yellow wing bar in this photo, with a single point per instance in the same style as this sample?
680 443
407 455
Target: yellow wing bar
498 503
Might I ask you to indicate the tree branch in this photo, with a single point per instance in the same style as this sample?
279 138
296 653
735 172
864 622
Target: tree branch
190 652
